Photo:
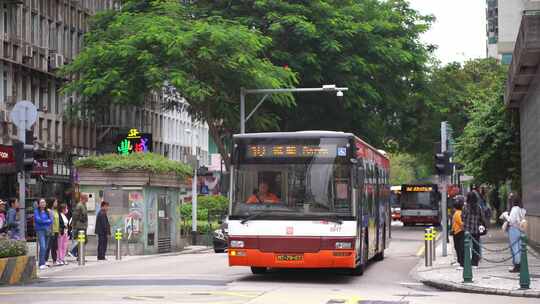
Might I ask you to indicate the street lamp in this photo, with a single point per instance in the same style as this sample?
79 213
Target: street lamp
267 92
195 164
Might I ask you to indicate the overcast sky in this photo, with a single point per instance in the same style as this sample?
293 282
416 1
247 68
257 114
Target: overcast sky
460 29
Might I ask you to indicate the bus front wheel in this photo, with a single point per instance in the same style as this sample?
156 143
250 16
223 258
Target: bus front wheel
258 270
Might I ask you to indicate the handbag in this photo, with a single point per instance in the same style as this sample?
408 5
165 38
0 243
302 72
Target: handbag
505 226
482 230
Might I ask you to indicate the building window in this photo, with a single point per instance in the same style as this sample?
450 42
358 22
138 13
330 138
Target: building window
506 58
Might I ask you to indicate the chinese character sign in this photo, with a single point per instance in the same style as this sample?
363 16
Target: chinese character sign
134 142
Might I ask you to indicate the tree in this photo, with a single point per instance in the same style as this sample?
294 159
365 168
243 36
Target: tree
406 169
489 145
370 46
135 51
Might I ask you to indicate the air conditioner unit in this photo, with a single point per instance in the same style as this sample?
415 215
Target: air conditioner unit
56 61
27 51
10 100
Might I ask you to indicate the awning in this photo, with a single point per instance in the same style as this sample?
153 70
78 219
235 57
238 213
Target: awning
525 60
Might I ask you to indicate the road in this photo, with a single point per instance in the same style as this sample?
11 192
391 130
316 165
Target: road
206 278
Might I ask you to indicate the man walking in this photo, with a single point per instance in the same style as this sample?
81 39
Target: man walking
79 222
103 230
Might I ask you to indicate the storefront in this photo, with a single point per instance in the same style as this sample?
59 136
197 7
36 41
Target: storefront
8 176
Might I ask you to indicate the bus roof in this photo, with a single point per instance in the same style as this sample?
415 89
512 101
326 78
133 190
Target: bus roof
297 134
310 134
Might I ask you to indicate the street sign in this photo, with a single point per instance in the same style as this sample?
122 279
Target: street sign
24 114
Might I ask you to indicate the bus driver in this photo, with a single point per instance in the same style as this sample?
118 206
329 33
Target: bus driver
263 195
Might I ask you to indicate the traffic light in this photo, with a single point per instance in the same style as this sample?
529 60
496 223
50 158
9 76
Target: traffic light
442 164
24 156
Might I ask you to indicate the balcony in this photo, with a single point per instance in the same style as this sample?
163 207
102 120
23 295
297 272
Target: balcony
525 60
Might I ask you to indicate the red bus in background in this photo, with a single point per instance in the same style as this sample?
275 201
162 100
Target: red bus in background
420 204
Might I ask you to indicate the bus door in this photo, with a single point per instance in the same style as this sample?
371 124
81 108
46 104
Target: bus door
360 208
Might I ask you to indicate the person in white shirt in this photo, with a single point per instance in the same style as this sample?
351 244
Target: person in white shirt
517 215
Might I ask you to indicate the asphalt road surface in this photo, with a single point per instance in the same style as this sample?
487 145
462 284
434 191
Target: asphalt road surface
206 278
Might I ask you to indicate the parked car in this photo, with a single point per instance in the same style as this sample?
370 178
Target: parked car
220 238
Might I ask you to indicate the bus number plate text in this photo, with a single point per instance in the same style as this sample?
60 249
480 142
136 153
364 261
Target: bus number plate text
289 257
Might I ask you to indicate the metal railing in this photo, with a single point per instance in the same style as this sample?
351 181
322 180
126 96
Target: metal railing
524 275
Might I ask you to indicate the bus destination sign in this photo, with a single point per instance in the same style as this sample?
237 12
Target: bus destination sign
418 189
292 151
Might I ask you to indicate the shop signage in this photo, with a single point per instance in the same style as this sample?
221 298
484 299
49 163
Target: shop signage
42 167
6 155
134 142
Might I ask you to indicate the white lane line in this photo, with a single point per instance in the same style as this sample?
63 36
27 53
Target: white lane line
411 283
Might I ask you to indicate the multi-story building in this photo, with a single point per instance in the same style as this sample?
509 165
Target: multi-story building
523 95
36 38
173 131
503 19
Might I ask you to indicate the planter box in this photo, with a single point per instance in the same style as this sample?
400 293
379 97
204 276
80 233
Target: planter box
17 270
95 177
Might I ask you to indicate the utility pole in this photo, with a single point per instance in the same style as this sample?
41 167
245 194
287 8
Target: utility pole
195 164
444 183
267 92
23 115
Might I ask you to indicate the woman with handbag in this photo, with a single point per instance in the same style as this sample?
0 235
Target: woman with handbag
516 221
474 223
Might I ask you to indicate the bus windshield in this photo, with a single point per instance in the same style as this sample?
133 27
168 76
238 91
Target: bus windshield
293 190
419 200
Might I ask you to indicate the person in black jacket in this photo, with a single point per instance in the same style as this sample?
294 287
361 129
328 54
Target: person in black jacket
103 230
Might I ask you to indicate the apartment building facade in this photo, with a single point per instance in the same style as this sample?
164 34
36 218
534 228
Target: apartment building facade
37 37
503 18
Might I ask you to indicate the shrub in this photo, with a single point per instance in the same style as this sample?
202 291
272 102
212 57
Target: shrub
135 161
12 248
215 204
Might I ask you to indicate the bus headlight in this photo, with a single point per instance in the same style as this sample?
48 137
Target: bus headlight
343 245
237 244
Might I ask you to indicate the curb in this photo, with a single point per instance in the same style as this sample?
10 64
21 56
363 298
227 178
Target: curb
462 287
17 270
113 261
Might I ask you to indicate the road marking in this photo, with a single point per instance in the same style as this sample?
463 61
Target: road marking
411 283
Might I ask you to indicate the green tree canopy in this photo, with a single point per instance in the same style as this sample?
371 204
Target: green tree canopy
134 51
489 145
370 46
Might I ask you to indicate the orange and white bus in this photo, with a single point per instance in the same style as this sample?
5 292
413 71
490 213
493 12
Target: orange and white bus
310 199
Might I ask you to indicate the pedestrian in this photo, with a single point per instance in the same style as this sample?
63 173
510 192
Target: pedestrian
457 229
43 222
103 230
63 235
480 193
473 222
79 222
55 231
3 219
516 221
14 220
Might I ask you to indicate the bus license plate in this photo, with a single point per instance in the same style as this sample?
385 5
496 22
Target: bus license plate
289 257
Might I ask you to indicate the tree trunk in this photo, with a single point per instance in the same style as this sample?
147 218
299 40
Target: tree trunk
216 136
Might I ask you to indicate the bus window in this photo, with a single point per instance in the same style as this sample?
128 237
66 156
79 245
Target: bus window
268 188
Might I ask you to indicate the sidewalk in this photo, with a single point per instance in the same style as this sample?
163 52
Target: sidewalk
91 261
488 278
